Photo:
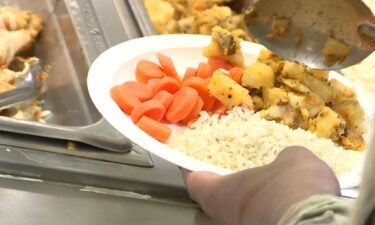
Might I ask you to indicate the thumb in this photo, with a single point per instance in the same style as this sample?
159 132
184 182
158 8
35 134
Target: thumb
200 185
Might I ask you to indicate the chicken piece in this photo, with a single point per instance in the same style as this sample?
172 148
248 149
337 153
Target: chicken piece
162 15
336 51
228 91
13 20
258 75
12 42
351 111
327 124
224 45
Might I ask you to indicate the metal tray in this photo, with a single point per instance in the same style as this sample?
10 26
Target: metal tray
74 116
142 17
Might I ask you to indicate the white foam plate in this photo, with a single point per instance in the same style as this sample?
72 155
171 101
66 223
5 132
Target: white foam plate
117 65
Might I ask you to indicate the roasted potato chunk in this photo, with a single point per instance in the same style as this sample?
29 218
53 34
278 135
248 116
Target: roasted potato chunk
353 139
274 96
228 91
258 75
351 111
327 124
224 45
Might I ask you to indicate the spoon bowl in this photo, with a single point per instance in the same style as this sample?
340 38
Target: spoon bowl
312 31
27 84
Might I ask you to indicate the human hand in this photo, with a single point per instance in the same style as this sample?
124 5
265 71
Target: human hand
262 195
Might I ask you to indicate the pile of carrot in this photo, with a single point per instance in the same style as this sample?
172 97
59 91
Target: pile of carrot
159 96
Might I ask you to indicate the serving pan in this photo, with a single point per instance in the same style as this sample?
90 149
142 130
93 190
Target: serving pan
74 116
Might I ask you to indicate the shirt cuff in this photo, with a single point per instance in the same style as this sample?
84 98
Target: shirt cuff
317 209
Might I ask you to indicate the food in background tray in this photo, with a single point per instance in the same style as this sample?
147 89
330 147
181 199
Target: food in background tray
18 32
271 88
194 16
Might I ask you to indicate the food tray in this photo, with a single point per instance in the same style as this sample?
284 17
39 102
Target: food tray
73 115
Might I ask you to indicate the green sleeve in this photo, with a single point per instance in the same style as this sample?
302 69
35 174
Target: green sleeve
318 209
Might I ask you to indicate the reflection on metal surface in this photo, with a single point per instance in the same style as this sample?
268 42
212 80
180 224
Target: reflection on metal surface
6 176
127 194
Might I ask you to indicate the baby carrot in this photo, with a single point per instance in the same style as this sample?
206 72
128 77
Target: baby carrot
154 128
236 74
147 70
194 114
151 108
190 72
139 90
165 98
204 70
219 63
168 66
200 85
168 84
153 82
183 102
126 101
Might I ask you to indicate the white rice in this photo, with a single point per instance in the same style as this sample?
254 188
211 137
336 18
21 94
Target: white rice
243 140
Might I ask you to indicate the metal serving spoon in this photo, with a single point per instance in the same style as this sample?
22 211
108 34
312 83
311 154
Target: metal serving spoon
27 85
322 34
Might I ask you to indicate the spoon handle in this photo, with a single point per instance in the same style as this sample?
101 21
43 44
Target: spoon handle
367 31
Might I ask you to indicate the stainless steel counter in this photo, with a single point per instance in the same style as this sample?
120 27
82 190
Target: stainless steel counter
27 201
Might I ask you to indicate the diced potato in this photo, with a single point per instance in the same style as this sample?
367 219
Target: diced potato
274 96
327 124
351 111
293 70
295 85
318 87
354 140
228 91
258 75
161 14
264 55
224 45
341 92
322 74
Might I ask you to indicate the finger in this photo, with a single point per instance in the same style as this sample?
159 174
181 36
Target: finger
185 173
200 185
